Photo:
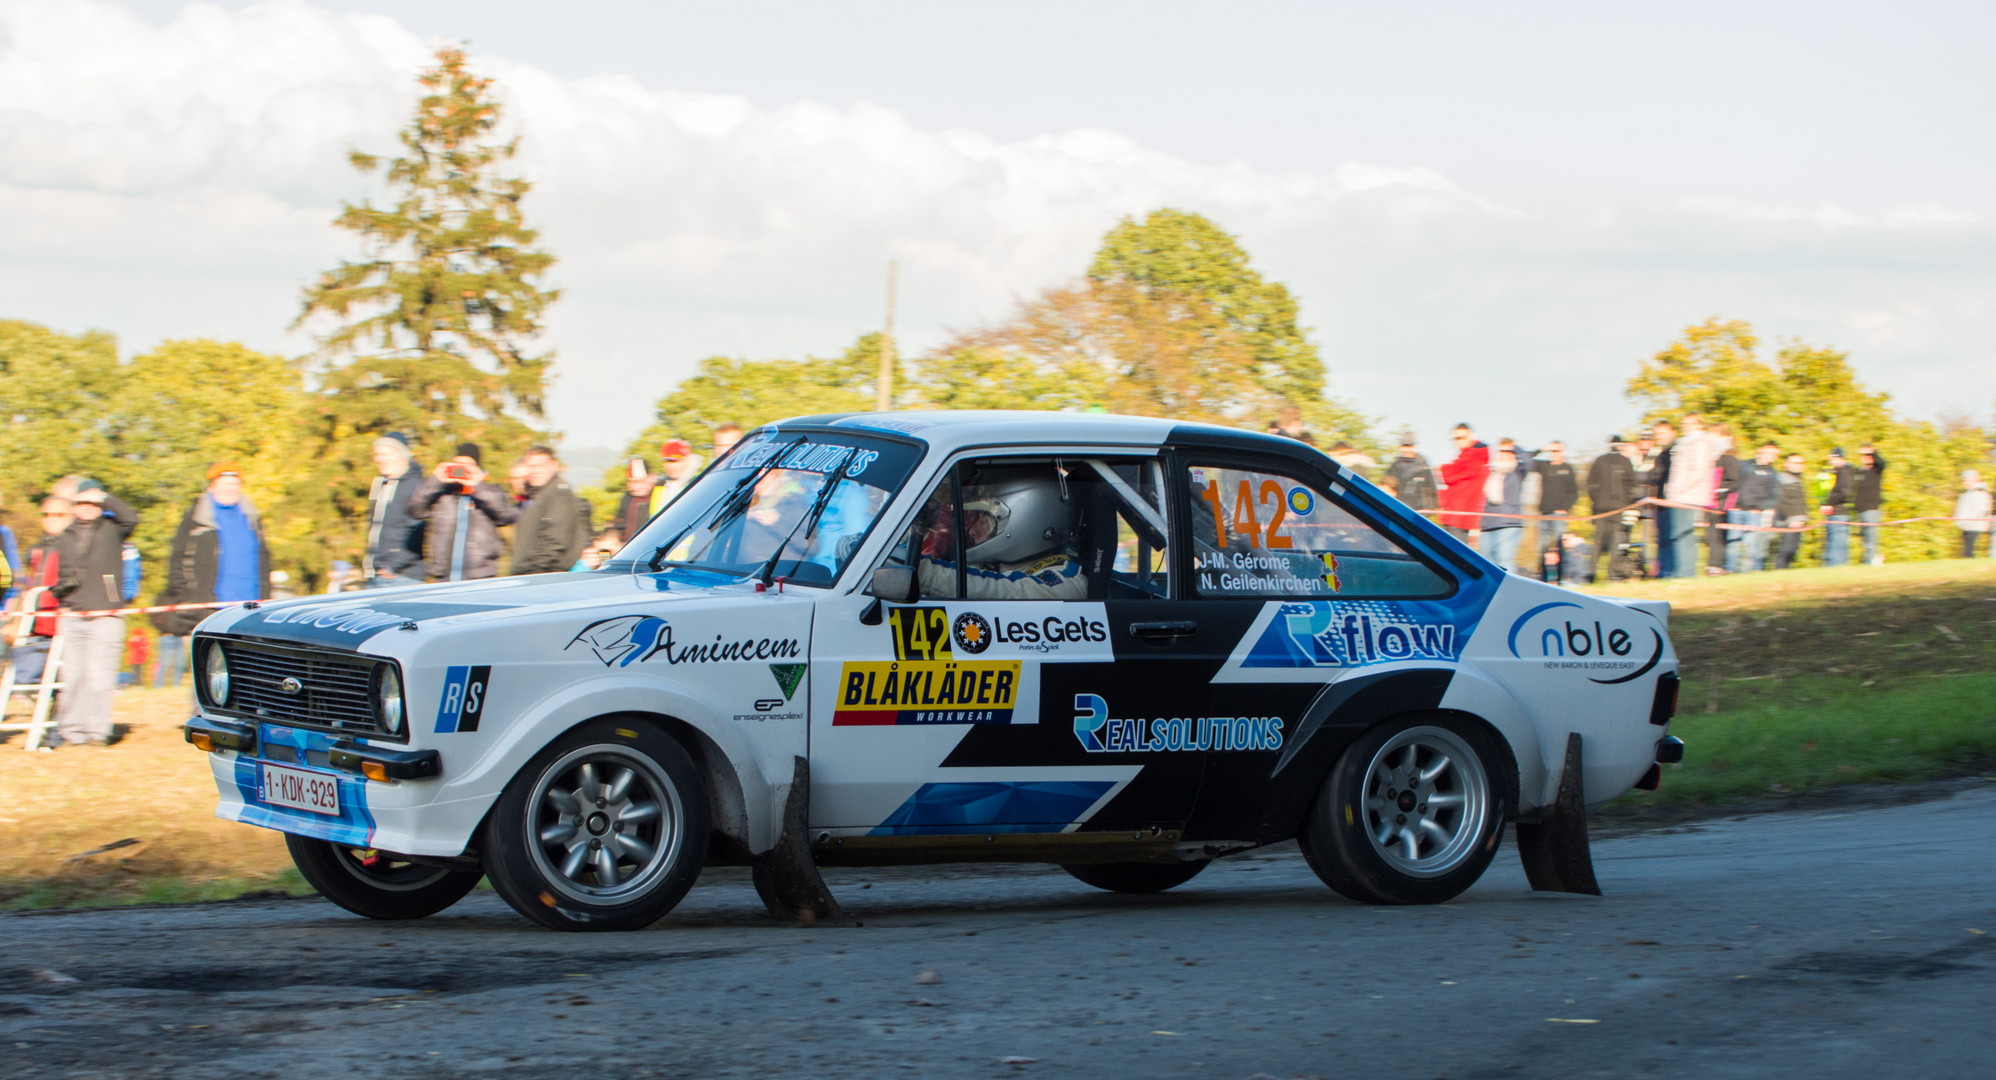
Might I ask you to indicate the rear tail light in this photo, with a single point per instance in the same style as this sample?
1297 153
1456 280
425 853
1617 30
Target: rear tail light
1665 704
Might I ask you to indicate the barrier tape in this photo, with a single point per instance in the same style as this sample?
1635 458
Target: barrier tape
45 613
1730 526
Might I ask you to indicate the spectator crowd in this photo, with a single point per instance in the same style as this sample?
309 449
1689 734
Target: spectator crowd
445 523
1654 497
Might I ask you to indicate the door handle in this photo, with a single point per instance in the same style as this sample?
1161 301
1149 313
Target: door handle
1163 631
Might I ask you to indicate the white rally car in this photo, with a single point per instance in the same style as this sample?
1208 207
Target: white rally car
1126 646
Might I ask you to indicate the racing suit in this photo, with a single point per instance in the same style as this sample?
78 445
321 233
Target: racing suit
1050 577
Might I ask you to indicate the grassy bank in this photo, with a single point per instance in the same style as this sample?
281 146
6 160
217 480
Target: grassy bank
130 823
1798 680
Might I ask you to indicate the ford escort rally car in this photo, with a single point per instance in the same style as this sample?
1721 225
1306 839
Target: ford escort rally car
1126 646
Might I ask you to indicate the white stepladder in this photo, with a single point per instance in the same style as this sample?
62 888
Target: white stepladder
40 718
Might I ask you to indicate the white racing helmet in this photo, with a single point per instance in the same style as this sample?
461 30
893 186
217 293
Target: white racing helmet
1028 516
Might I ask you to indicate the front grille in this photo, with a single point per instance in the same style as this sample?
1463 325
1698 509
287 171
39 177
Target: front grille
338 688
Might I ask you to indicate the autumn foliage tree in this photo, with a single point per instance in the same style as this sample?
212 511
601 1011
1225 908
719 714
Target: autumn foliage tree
431 333
1808 400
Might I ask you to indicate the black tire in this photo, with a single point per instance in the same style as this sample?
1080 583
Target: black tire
1356 835
377 884
535 866
1134 877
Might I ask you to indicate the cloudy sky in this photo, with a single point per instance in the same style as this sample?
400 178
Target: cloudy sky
1489 212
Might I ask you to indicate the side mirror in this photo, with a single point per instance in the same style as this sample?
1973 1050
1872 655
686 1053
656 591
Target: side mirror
896 583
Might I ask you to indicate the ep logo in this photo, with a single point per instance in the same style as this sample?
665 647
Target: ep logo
463 698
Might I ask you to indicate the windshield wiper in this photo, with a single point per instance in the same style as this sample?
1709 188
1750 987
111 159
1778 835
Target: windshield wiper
732 505
809 522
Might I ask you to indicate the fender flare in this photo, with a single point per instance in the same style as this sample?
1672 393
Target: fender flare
1348 708
754 808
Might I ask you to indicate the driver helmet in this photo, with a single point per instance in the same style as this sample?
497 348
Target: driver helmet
1027 514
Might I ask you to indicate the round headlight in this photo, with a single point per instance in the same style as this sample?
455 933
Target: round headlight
218 675
390 688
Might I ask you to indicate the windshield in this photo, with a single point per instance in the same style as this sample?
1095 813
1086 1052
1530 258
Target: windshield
793 504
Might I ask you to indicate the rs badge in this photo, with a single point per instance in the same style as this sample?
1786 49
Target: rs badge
463 699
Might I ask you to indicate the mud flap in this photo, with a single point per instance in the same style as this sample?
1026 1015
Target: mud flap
1554 849
786 876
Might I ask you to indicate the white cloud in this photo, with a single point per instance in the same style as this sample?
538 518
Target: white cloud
180 181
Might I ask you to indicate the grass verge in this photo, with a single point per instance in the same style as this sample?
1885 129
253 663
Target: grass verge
1800 680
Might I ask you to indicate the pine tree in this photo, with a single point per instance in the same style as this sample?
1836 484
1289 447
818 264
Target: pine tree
431 333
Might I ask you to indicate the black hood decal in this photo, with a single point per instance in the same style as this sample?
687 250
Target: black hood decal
346 623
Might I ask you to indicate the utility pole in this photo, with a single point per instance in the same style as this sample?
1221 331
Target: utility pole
883 387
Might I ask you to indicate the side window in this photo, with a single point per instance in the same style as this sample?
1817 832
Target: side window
1039 528
930 544
1264 535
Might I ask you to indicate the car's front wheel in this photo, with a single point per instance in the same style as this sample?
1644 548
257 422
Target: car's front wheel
377 884
1134 877
605 829
1411 813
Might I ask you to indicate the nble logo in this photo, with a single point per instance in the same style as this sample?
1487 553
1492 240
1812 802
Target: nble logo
1588 645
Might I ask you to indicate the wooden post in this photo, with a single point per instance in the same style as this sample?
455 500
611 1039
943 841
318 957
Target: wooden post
883 392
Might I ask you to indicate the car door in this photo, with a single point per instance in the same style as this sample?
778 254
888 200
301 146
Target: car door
989 696
1311 585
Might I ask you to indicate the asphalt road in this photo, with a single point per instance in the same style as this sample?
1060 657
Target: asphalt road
1794 945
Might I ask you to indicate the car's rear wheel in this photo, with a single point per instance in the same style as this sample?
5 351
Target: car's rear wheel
377 884
1134 877
1411 813
605 829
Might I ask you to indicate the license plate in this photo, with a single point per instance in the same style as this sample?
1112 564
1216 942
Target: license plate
313 792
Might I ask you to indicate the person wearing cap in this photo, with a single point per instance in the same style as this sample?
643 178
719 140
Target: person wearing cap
1612 484
462 510
1842 480
679 465
394 531
92 575
553 527
1413 480
218 554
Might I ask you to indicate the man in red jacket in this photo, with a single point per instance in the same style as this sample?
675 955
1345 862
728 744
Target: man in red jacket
1462 493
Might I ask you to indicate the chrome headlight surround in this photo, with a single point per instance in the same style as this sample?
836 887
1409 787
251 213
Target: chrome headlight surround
215 675
388 705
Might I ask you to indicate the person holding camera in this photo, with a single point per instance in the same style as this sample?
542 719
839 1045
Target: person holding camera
463 511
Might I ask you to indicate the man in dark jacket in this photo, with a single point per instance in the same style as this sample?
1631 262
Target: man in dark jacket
554 524
1837 505
1870 502
1760 483
1791 509
218 553
394 531
635 507
93 570
1559 487
1611 485
1413 480
462 511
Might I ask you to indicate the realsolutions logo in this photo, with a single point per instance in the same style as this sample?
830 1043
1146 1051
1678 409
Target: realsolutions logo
1577 640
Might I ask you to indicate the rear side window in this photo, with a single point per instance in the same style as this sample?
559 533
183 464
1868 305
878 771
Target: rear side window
1266 535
